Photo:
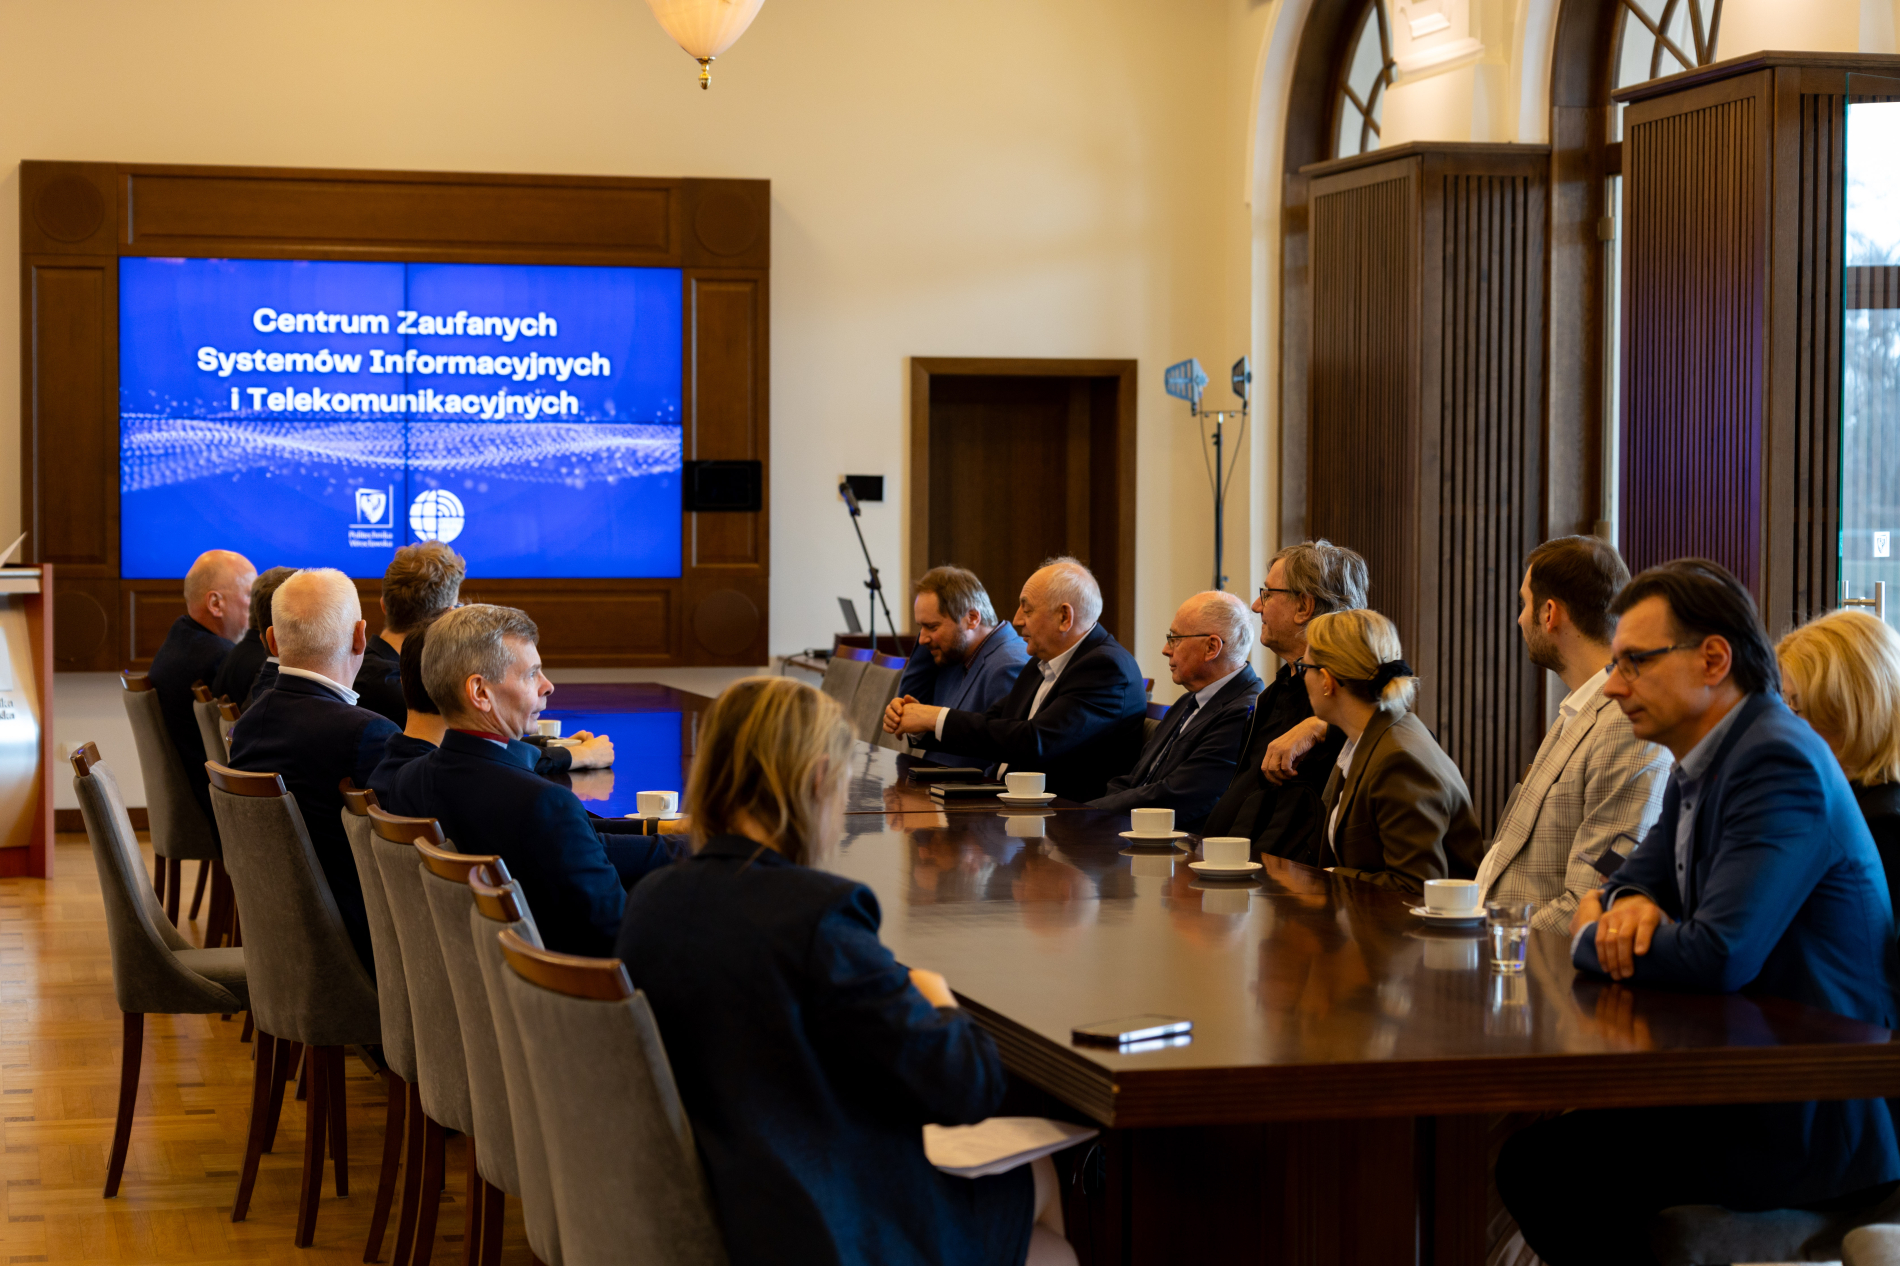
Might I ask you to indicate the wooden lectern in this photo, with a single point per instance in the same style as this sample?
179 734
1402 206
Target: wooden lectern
26 713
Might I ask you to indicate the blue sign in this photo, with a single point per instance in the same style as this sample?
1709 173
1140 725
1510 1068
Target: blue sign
321 414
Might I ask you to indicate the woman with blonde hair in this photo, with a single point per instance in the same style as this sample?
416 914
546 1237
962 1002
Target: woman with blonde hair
808 1058
1840 672
1397 810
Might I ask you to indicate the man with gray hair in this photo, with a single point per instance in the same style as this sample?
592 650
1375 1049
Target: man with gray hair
1189 759
308 728
1076 719
965 657
1283 814
482 668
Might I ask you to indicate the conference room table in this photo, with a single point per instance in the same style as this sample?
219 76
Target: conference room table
1351 1069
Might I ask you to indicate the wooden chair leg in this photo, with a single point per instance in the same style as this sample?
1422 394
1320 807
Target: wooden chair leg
263 1077
174 880
303 1077
494 1205
472 1194
287 1057
133 1045
315 1119
249 1028
339 1121
198 893
429 1197
392 1161
411 1178
158 877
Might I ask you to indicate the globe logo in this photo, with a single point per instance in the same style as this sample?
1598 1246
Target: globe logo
437 515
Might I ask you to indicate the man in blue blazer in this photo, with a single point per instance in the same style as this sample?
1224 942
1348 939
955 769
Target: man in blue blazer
1189 759
965 657
481 667
1760 876
309 729
217 609
1075 712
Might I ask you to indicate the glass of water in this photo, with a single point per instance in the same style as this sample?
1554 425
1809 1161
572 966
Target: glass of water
1510 924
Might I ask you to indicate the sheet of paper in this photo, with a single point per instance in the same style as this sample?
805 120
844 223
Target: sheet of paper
999 1144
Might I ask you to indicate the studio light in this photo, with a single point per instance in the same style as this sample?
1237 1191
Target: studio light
705 28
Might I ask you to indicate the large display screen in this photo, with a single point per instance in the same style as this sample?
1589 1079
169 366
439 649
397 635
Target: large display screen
321 414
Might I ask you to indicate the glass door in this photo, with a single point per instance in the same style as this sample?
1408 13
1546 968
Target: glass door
1870 349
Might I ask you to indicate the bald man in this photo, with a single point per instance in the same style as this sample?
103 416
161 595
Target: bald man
217 607
1074 714
1190 758
309 729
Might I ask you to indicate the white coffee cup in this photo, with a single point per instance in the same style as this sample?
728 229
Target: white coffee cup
1023 784
1451 896
1152 865
548 729
658 804
1151 821
1227 850
1226 899
1450 955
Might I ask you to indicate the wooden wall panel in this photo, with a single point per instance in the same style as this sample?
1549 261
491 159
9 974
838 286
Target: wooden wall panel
1695 285
70 429
1811 573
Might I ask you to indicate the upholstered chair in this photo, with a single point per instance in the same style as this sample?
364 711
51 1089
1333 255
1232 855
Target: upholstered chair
180 831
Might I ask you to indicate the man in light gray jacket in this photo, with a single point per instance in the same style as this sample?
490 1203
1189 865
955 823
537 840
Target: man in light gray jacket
1595 788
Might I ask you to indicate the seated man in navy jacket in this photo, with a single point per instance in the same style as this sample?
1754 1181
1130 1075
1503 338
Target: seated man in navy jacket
1075 712
421 582
309 729
965 657
1759 876
217 607
481 667
1189 759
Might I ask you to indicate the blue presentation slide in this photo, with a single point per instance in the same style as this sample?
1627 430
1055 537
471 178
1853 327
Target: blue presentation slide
321 414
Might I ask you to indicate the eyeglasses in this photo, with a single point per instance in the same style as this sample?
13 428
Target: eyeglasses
1630 663
1172 638
1300 668
1267 589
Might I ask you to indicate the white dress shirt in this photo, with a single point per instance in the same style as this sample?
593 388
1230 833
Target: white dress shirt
1345 768
341 691
1050 670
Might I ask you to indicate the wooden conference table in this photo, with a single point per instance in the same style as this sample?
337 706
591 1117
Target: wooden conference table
1350 1071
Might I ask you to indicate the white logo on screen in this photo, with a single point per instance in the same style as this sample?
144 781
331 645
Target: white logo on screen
437 515
370 504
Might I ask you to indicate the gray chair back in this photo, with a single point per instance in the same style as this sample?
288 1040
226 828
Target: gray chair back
842 675
876 689
211 731
441 1069
445 884
154 969
627 1180
178 824
392 990
307 984
498 906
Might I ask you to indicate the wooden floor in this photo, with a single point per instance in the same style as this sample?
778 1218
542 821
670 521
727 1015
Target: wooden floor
59 1078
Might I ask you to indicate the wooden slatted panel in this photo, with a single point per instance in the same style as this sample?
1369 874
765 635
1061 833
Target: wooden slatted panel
1484 700
1815 575
1694 285
1363 443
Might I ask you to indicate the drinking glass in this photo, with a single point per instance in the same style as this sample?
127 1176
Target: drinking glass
1510 924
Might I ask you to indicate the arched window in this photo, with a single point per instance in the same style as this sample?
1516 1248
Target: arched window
1363 80
1660 37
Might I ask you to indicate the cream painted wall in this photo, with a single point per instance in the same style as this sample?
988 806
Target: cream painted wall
950 178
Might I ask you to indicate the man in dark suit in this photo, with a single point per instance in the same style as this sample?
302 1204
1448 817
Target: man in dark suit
481 667
308 728
1759 876
1189 759
1281 812
240 667
1075 712
217 607
422 581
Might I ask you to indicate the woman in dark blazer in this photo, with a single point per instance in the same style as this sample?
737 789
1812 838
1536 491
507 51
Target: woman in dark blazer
1840 672
1398 812
808 1058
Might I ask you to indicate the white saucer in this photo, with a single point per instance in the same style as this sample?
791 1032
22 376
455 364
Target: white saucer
1208 870
1139 838
1448 920
1041 797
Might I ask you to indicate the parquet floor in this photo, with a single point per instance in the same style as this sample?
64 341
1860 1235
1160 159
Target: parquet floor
59 1077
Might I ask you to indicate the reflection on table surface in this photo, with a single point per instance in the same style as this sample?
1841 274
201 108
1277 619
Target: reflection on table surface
649 755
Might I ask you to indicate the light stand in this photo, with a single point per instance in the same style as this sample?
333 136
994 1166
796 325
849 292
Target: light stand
1186 381
875 585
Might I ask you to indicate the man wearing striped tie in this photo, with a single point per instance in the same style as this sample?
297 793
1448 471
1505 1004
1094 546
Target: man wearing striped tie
1595 788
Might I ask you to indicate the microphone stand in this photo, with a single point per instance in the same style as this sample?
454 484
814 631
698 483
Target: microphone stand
874 584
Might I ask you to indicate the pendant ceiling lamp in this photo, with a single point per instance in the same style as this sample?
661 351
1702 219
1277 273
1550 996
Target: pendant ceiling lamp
705 28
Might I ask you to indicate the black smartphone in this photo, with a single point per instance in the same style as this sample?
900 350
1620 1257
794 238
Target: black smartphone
1134 1028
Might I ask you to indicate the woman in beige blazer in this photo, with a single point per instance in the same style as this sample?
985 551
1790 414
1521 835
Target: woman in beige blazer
1398 811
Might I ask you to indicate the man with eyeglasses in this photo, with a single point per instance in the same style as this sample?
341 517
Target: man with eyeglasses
1283 814
1759 876
1189 759
1594 787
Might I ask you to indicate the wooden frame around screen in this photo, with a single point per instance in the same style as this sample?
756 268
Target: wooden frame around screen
78 219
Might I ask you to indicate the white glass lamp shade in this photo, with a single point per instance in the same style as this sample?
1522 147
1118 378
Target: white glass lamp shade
705 28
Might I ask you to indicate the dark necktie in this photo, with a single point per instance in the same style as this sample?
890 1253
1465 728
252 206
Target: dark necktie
1168 744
